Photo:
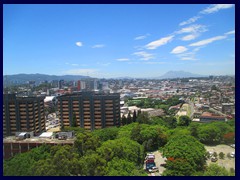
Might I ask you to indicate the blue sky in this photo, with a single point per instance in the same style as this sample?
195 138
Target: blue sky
119 40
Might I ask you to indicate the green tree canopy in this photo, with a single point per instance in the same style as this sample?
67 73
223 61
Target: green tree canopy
184 121
186 148
215 170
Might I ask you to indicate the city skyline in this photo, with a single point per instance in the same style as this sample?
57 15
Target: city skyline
119 40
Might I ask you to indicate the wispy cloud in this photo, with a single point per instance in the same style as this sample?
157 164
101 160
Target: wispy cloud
190 56
179 49
141 37
207 41
75 64
148 62
70 64
160 42
215 8
230 32
189 21
195 28
189 37
144 55
103 64
123 59
79 44
87 72
98 46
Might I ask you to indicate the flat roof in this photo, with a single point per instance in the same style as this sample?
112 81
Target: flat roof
13 139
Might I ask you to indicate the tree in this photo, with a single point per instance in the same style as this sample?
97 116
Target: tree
184 121
229 137
172 121
123 148
86 141
124 120
215 170
21 164
107 133
188 149
193 127
178 167
74 120
136 133
221 155
93 165
143 118
134 116
215 154
129 118
122 167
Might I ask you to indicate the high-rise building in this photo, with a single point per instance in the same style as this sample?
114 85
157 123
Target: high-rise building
92 110
83 85
60 84
89 84
23 114
79 85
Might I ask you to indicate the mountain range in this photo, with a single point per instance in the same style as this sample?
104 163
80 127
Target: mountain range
24 78
178 74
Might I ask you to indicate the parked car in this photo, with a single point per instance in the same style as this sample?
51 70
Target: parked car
232 154
153 169
150 165
214 159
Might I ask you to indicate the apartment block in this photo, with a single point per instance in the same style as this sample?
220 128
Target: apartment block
92 110
22 114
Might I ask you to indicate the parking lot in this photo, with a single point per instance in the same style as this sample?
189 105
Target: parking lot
227 162
158 160
52 122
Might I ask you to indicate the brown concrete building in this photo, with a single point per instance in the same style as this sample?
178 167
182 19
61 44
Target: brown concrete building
22 114
12 145
92 110
209 117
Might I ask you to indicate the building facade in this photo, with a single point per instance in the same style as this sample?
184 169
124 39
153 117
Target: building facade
208 117
91 110
60 84
79 85
22 114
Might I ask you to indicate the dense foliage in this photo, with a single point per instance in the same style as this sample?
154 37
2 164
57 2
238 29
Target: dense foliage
154 103
120 151
185 155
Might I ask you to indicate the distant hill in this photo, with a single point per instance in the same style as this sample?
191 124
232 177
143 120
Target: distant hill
178 74
24 78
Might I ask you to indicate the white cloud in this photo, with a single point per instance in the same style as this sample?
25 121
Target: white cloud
74 64
189 21
207 41
189 37
98 46
79 43
87 72
179 49
215 8
160 42
141 37
196 28
190 56
230 32
144 55
123 59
